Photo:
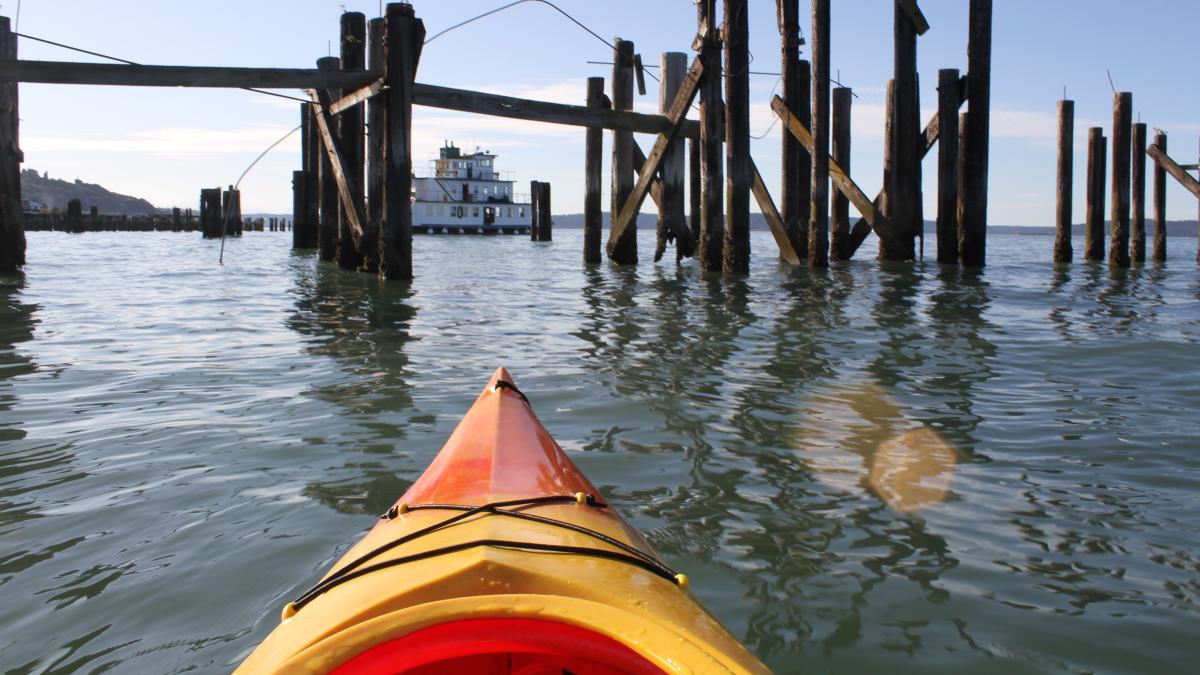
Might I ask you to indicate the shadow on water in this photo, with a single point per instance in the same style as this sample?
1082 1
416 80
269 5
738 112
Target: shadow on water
363 324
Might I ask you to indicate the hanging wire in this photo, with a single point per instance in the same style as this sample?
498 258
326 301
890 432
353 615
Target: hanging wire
225 212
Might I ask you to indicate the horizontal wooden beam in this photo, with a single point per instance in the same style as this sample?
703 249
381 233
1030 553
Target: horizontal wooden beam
462 100
354 207
1177 172
121 74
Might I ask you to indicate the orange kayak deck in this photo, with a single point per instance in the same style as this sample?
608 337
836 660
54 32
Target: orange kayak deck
556 581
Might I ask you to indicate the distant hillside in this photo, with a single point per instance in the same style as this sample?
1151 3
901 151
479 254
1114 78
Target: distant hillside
53 193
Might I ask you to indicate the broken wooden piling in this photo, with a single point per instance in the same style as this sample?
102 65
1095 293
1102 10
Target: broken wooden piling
535 222
544 214
1093 234
1063 253
1160 203
1118 251
671 225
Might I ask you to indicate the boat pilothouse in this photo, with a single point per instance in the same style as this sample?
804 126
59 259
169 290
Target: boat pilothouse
463 193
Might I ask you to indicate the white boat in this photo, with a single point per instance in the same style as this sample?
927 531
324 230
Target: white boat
464 194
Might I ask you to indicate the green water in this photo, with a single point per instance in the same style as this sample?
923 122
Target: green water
902 469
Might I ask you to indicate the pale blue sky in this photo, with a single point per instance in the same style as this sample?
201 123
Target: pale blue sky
165 144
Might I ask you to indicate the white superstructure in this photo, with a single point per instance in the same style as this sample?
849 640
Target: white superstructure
465 194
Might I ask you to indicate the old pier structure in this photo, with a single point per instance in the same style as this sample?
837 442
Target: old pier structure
352 191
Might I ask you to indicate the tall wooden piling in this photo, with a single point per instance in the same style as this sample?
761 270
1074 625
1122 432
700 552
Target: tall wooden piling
405 37
376 153
313 156
972 245
545 215
672 225
535 203
947 214
350 136
839 230
327 224
796 163
905 190
1093 234
712 111
1118 251
818 221
1137 200
1160 203
737 136
624 251
12 228
593 217
302 237
1062 207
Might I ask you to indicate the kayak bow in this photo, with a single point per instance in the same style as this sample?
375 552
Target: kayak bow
501 558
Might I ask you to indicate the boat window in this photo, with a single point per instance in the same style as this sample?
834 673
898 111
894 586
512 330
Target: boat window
475 211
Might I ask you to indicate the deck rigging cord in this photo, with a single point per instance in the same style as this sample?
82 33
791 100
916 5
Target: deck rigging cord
226 211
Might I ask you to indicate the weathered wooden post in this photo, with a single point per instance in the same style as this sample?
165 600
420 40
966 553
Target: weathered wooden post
1118 252
176 225
796 164
210 213
350 135
671 222
839 231
712 111
1137 203
299 203
737 136
376 153
593 217
301 238
231 213
75 216
405 37
12 228
947 216
818 221
327 224
694 189
94 218
535 203
905 190
1066 156
624 251
309 236
545 219
972 246
1093 234
1160 203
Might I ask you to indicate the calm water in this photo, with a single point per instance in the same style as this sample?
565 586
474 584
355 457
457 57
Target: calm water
864 470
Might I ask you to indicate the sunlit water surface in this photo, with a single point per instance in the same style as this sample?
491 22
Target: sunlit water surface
897 469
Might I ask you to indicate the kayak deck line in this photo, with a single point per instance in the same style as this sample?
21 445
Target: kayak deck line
354 569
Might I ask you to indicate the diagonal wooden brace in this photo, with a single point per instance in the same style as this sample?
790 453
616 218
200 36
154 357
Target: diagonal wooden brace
920 23
354 207
355 97
837 175
675 116
774 221
1177 172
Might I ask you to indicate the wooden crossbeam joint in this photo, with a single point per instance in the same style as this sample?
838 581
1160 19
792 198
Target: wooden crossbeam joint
675 117
1177 172
346 190
355 97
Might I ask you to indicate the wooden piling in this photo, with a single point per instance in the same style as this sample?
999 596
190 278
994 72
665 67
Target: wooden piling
818 221
327 223
593 217
796 163
947 215
405 37
1093 235
624 251
1063 253
301 238
12 228
712 110
737 136
210 213
905 187
694 191
1118 251
1160 203
1137 201
75 216
376 154
672 225
231 213
839 231
972 245
545 215
298 201
94 218
535 202
350 135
